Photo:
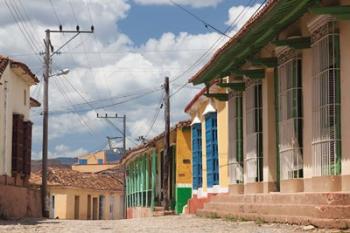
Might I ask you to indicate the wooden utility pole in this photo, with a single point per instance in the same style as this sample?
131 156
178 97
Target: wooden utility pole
166 145
47 70
47 58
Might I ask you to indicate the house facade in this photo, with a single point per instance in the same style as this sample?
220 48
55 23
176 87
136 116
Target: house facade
16 139
282 81
144 169
97 161
83 196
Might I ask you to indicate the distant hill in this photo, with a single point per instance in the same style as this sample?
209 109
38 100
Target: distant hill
57 162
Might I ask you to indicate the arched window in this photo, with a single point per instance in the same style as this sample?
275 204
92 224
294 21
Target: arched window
326 145
211 139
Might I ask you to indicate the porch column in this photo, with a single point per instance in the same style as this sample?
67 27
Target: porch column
154 175
269 132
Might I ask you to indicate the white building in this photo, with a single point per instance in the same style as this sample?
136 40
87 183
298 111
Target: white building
15 126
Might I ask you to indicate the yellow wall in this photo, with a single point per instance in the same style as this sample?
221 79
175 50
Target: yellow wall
93 167
65 202
94 157
222 125
183 154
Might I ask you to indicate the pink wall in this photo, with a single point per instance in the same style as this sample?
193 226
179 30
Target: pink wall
18 202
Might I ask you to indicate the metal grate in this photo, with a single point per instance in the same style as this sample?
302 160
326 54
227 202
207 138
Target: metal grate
236 156
254 145
326 100
290 122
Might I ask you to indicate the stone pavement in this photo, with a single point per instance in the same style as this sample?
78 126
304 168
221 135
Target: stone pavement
182 224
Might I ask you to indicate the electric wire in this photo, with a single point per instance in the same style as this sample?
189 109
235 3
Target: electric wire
207 25
212 47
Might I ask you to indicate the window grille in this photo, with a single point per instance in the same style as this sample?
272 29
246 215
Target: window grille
212 149
326 100
290 122
236 158
197 155
254 145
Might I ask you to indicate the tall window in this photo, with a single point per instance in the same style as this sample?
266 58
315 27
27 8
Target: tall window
254 150
326 146
236 156
197 155
290 120
83 161
211 140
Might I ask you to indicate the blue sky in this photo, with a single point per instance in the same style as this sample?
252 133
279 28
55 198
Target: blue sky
144 22
136 44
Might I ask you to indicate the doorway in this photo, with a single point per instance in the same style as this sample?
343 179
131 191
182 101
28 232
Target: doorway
89 207
76 207
94 208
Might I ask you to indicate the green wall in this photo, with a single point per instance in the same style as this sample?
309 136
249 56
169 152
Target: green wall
183 194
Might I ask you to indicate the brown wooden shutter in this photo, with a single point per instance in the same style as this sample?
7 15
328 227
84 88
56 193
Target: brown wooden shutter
17 144
27 155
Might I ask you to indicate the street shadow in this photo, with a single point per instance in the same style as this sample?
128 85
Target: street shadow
27 221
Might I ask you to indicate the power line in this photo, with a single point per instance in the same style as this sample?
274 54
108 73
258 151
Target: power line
22 28
55 12
67 99
207 25
213 46
155 117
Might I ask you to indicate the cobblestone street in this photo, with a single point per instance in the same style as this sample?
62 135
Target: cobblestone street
183 224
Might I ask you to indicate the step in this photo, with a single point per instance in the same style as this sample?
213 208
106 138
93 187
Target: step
288 198
158 208
318 211
300 220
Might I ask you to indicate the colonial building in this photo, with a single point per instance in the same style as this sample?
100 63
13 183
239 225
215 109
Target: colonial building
16 200
271 127
145 170
85 196
97 161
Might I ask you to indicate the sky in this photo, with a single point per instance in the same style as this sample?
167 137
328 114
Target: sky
119 69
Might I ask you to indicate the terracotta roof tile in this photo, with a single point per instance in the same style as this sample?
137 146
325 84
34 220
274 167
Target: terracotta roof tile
4 62
68 178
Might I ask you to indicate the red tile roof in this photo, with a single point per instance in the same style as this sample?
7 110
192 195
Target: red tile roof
4 61
65 177
144 147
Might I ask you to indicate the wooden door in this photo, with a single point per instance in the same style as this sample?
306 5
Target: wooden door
94 208
76 207
89 207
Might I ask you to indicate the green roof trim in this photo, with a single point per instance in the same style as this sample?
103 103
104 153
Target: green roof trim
253 74
269 62
233 86
258 34
218 96
340 12
295 43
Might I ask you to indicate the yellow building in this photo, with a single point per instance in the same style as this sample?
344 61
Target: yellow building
144 166
97 161
76 195
209 119
276 109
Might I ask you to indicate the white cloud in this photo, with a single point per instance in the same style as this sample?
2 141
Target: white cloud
237 19
193 3
61 151
121 68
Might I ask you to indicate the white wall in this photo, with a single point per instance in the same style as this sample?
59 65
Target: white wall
15 104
